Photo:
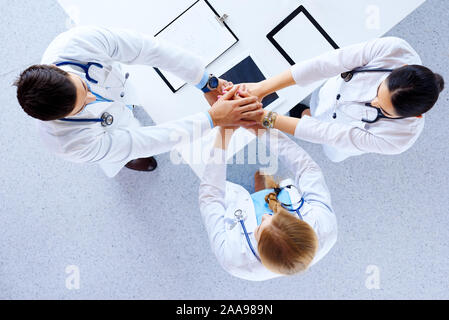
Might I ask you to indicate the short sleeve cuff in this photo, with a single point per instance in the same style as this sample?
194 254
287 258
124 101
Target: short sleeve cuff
210 120
203 81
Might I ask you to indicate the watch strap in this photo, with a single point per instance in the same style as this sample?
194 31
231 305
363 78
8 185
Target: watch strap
206 87
269 120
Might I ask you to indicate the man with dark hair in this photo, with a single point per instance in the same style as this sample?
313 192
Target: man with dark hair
79 96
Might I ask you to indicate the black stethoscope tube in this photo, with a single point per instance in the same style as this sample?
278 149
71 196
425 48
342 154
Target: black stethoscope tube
347 76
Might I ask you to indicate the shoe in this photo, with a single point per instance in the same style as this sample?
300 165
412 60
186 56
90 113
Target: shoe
142 164
297 111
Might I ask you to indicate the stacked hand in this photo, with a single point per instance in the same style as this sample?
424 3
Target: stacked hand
241 105
253 90
212 96
236 107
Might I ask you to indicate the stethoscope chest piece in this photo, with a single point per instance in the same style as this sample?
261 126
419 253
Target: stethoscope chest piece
347 76
107 119
238 214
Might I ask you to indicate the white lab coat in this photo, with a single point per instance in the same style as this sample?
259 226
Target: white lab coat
219 200
112 147
347 135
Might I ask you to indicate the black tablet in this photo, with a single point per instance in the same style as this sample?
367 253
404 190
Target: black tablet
300 27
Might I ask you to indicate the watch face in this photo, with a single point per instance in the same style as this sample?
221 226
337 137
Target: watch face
213 83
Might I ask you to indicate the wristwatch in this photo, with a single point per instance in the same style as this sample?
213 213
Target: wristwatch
269 120
211 84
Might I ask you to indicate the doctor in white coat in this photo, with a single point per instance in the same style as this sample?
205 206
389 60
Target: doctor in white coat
243 232
83 102
373 100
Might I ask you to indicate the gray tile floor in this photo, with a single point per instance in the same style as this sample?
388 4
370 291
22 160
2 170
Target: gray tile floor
129 241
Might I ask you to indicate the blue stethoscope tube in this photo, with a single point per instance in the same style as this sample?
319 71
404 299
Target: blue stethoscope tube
106 118
85 68
249 240
239 215
301 203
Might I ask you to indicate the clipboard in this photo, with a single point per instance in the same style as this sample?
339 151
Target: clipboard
295 22
190 31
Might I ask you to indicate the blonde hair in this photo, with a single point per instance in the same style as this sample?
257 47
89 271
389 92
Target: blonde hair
287 245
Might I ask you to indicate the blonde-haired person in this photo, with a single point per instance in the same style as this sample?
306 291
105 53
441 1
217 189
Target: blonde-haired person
275 231
286 244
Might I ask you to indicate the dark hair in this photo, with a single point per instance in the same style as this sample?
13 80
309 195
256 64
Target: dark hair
414 89
45 92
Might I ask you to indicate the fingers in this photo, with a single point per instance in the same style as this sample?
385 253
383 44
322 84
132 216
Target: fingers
230 94
226 86
239 94
243 93
245 101
252 126
251 107
243 89
247 123
253 115
229 85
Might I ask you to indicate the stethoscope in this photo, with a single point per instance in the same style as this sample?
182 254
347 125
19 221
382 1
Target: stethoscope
106 118
347 76
238 214
289 207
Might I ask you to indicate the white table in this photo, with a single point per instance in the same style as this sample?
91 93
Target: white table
346 21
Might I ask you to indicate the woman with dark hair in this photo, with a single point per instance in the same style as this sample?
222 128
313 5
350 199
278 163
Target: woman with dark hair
373 100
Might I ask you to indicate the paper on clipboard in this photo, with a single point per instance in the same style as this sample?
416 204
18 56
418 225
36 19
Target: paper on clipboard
197 30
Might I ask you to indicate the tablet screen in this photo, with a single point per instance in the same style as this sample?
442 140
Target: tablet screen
299 37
